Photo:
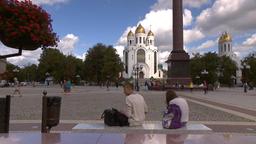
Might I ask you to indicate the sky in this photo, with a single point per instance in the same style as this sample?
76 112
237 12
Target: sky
81 24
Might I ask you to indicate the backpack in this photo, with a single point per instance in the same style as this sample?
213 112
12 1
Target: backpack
172 117
112 117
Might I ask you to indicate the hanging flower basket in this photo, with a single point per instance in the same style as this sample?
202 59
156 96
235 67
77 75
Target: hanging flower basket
25 25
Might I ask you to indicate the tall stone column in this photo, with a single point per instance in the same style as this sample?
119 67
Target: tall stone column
178 60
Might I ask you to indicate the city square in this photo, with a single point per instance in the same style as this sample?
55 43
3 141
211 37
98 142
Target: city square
224 107
137 72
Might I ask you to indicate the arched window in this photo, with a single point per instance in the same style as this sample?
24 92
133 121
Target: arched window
225 47
140 40
136 40
130 42
141 56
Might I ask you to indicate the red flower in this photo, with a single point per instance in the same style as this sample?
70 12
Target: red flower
23 24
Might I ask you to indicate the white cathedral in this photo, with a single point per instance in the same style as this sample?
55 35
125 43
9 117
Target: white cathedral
225 49
140 55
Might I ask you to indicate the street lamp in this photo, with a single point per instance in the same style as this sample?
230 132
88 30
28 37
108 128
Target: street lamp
197 79
233 79
78 79
136 69
16 74
47 74
204 73
246 68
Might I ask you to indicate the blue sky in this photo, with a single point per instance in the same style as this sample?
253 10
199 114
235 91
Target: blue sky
80 24
96 20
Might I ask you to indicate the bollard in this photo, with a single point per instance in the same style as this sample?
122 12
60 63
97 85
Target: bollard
50 113
5 114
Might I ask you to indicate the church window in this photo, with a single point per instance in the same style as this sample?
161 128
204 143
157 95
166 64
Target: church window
136 40
130 42
140 40
150 42
225 47
159 74
141 56
155 62
126 62
144 40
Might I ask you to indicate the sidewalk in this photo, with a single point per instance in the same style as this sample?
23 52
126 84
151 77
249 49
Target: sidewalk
229 96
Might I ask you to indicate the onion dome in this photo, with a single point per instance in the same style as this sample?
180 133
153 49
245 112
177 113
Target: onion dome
130 34
140 29
225 37
150 33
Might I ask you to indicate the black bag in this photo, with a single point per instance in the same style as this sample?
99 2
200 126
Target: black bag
113 117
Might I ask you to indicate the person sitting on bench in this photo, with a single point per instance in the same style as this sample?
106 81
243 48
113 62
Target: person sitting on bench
177 111
136 107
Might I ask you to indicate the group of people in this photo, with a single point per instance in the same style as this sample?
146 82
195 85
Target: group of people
176 114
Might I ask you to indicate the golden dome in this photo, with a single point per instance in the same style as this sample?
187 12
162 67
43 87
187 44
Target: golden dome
225 37
130 33
150 33
140 29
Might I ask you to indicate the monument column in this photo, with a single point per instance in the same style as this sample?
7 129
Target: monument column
178 60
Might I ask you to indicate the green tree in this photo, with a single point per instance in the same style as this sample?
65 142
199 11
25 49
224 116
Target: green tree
251 61
102 61
73 67
196 68
228 68
51 61
28 73
208 62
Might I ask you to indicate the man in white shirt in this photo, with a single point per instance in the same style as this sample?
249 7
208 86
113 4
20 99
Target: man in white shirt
136 107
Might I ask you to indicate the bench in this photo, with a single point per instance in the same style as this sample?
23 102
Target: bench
148 127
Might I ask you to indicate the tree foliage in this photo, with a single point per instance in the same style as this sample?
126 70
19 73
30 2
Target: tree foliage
218 68
251 61
59 66
102 63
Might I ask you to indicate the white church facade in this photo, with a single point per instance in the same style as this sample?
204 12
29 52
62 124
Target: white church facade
140 55
225 49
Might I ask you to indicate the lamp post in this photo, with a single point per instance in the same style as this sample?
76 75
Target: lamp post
233 78
47 74
78 79
15 75
136 69
197 79
246 69
204 73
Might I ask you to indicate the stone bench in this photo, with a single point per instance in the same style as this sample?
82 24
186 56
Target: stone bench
147 127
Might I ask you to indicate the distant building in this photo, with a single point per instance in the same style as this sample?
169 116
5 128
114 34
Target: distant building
141 53
2 67
225 49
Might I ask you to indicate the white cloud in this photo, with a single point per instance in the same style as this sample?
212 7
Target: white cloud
251 41
167 4
192 35
163 56
206 45
65 45
119 50
47 2
225 15
248 46
161 25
